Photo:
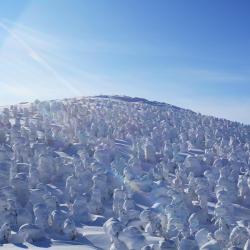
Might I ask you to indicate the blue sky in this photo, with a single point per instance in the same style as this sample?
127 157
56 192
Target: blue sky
194 54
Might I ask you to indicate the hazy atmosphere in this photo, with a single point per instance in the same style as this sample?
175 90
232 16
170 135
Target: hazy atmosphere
194 54
125 124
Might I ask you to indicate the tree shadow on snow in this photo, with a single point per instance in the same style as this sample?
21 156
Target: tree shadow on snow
46 243
81 241
96 220
21 245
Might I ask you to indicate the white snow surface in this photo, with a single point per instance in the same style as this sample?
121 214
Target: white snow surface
121 173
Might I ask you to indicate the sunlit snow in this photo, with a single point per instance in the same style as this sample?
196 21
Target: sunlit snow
122 173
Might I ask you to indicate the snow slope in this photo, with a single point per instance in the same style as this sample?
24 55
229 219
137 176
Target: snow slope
115 172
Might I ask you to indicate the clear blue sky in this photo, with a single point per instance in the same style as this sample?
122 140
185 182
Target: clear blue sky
194 54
